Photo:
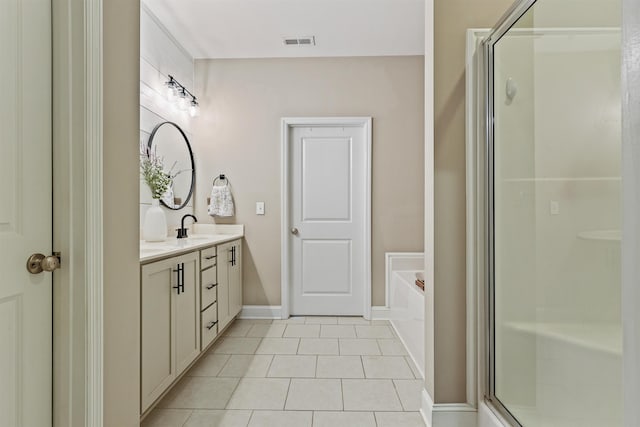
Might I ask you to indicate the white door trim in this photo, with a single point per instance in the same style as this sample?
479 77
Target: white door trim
631 208
94 207
77 121
287 124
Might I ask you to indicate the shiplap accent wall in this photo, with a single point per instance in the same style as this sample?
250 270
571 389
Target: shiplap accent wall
161 55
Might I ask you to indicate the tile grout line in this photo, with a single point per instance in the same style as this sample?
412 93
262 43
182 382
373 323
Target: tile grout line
286 397
315 374
232 393
250 417
187 419
273 357
398 395
223 365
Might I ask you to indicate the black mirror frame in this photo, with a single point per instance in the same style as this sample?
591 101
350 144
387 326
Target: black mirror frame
193 164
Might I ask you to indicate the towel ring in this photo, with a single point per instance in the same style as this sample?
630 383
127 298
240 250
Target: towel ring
221 177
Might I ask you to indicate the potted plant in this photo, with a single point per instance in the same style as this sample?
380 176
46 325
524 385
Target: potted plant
155 221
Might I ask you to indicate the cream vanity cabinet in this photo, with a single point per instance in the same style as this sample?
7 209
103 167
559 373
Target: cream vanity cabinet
186 300
229 281
170 319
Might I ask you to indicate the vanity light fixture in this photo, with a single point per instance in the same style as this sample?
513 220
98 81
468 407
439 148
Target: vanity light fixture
176 91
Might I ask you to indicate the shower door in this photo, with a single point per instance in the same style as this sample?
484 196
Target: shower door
554 214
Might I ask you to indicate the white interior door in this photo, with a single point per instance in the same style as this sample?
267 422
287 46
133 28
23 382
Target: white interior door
329 202
25 212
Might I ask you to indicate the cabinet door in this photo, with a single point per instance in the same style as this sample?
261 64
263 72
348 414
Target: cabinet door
157 367
235 279
187 311
224 260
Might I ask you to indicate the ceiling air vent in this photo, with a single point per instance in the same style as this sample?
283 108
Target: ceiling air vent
300 41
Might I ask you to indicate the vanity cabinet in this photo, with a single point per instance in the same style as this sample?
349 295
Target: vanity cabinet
229 282
170 320
187 298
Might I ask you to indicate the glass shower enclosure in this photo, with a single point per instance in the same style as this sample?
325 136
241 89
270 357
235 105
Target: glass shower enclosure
553 153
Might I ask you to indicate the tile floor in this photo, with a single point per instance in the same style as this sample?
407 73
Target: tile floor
300 372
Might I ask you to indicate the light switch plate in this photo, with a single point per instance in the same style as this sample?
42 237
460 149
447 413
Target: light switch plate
259 208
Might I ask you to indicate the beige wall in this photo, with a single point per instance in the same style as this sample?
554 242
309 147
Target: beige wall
121 204
452 18
238 133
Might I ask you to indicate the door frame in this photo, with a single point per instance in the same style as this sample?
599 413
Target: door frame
631 208
78 288
289 123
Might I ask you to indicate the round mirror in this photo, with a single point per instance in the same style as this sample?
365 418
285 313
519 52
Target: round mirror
170 144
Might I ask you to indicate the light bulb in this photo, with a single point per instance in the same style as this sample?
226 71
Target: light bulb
171 91
183 104
194 109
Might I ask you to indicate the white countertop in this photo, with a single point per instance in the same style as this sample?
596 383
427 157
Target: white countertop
200 236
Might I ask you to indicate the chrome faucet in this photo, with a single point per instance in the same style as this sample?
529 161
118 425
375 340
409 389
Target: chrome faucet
182 232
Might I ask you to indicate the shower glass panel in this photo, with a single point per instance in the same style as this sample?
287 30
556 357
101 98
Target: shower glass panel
554 162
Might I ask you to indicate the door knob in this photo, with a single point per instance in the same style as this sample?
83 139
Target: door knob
37 263
294 231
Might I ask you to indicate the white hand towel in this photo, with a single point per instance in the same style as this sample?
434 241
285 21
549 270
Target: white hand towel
221 203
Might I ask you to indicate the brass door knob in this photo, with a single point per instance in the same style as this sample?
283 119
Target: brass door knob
37 263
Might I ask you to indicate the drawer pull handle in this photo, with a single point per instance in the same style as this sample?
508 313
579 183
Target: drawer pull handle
209 257
211 286
211 325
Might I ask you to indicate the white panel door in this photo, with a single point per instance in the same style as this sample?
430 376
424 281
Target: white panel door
25 212
328 215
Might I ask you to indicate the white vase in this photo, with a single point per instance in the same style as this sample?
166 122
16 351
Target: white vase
155 223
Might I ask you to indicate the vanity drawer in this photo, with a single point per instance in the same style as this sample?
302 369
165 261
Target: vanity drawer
207 257
209 282
209 325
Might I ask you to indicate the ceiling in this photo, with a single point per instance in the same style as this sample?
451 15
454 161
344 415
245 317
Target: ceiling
256 28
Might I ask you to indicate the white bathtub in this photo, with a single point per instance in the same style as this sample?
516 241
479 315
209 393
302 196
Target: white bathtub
406 313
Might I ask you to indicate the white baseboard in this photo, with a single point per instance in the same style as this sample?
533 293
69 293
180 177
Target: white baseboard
448 414
454 415
261 312
380 313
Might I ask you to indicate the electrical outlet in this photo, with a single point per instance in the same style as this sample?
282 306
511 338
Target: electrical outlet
259 208
554 207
